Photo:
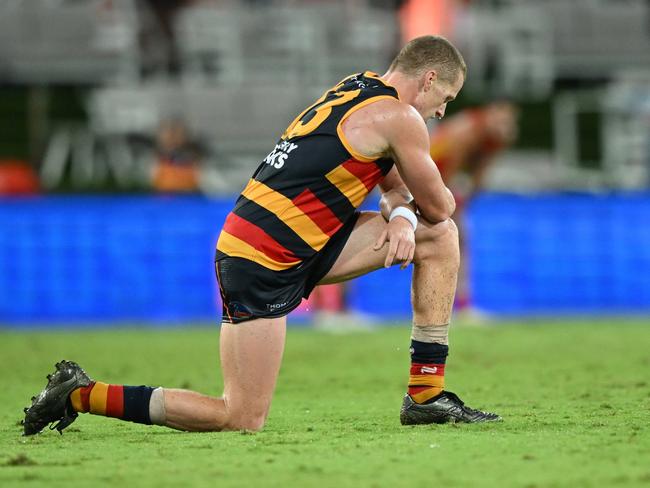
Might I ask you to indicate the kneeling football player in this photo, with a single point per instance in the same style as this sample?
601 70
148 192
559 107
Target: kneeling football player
296 225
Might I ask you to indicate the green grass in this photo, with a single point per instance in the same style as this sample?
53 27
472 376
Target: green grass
575 398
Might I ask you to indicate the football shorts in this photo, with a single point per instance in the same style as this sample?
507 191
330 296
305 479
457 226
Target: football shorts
251 291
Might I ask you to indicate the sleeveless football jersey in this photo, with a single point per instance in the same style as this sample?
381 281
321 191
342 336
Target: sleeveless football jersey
309 185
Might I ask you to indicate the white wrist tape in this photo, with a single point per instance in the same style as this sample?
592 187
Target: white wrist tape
407 213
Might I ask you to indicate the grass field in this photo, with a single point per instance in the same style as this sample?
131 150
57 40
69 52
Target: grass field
575 398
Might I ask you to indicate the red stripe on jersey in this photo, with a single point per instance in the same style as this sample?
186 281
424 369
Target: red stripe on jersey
256 237
368 173
320 213
84 393
423 368
115 401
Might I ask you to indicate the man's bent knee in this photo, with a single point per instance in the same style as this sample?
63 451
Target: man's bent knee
246 417
437 241
246 422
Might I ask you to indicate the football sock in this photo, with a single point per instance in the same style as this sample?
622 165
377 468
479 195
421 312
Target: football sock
427 377
123 402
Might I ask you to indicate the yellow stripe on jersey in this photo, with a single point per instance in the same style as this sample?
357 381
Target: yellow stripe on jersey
426 380
339 128
425 395
75 399
348 184
287 212
235 247
98 398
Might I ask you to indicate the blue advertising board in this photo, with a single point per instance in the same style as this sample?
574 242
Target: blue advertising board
72 259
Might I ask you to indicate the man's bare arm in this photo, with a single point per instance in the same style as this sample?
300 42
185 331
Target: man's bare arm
394 194
390 128
408 140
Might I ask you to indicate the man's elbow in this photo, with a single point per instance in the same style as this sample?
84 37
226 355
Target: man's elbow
435 216
435 213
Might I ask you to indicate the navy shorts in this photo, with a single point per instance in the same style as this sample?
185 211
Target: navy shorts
251 291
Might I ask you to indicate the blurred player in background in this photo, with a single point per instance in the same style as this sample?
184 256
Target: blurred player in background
464 146
178 158
295 225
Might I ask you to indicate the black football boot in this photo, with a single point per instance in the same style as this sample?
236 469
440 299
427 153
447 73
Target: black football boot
441 409
53 403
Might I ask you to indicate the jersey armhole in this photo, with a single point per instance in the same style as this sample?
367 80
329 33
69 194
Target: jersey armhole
339 128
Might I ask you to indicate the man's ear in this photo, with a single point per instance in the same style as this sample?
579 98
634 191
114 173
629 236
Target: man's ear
429 78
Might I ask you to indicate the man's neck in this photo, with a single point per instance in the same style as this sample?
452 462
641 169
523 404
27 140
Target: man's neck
406 86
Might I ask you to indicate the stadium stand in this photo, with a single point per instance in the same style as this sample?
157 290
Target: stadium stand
68 42
270 60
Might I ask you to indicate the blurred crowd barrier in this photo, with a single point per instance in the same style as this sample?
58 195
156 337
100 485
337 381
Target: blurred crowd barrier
108 259
71 260
237 72
561 253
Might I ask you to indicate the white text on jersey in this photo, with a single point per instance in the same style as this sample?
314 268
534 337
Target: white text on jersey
279 155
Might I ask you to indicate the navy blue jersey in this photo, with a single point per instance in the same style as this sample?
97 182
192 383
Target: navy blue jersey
309 185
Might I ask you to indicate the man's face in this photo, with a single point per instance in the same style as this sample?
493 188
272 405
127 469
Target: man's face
436 94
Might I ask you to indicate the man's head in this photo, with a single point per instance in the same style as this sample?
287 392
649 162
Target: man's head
436 68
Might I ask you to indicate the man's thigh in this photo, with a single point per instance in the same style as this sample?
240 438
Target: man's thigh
358 256
251 354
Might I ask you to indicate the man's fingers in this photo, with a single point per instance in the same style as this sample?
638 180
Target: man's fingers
392 249
404 253
411 256
403 257
381 240
408 257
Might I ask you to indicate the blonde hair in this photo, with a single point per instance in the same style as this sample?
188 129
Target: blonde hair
430 52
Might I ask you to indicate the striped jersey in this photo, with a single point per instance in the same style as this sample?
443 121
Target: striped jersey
309 185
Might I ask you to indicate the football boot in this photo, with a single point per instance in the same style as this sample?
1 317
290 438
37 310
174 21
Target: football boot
444 408
53 403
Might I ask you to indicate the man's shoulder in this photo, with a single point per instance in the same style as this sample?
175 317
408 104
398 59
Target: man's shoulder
374 128
389 111
392 115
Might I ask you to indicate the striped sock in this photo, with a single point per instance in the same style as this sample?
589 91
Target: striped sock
427 378
122 402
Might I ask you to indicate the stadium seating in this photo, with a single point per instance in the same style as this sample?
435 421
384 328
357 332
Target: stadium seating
68 42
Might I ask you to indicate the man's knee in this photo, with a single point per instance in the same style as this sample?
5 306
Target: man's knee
437 241
246 419
246 423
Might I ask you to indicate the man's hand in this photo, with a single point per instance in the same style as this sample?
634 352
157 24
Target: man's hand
400 236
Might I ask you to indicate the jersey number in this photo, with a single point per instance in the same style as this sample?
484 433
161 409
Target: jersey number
322 109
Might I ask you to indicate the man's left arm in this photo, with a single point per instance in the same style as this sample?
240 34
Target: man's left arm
394 194
399 233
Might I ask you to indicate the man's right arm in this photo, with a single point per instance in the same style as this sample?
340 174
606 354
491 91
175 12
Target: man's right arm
408 141
390 128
